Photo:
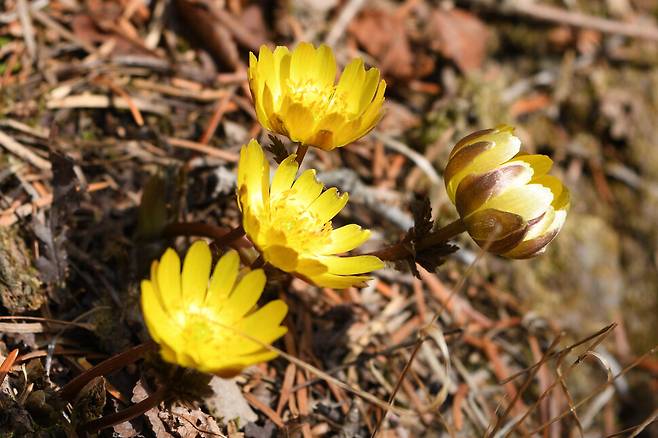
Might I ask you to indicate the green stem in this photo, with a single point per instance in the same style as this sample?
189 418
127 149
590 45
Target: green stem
71 389
402 250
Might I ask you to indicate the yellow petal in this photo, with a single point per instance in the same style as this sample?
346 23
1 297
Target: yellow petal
282 257
352 265
310 267
307 188
155 316
340 281
328 204
302 63
298 121
253 175
542 226
283 59
346 238
268 108
369 89
350 82
245 295
364 124
541 164
275 82
552 183
223 279
169 281
284 176
262 320
262 325
529 201
326 131
196 270
325 66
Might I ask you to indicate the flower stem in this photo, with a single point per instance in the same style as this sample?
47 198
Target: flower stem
259 262
404 249
221 235
301 153
442 235
127 414
71 389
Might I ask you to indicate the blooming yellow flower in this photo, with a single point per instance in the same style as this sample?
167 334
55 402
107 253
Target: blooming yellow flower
295 95
289 221
197 319
497 190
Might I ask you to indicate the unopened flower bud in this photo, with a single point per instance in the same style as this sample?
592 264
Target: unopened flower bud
506 200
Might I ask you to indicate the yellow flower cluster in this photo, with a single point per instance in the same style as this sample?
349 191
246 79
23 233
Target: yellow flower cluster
506 201
211 322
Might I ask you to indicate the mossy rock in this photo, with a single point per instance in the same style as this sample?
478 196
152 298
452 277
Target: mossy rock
20 287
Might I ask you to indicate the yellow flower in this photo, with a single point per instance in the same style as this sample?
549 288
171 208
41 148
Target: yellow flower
295 95
289 221
503 196
197 319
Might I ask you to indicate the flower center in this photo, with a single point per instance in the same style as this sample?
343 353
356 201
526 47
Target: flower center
320 100
201 327
294 225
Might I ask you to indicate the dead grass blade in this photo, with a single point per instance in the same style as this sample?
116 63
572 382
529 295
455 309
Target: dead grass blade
597 339
597 390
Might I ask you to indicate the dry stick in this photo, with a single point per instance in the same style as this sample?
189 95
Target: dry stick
220 110
601 336
522 388
44 19
578 19
398 384
127 414
597 390
567 394
71 389
134 110
22 9
23 152
564 351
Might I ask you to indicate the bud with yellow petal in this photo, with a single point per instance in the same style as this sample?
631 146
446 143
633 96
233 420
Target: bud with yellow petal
506 200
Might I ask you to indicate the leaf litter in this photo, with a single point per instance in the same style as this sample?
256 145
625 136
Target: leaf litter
147 106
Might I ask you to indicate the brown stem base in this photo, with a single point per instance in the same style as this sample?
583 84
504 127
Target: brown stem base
404 249
301 153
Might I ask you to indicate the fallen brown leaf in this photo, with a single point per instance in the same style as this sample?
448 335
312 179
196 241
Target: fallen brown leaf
460 36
